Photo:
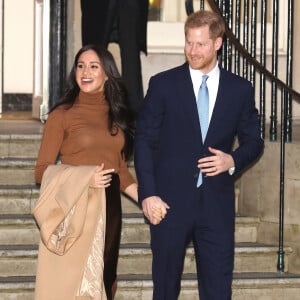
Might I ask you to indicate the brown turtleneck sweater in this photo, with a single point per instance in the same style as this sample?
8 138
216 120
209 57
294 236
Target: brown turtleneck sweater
80 135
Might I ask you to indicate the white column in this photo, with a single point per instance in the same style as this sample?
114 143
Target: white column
40 98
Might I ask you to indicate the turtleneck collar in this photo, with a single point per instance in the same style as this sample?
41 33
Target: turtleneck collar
91 98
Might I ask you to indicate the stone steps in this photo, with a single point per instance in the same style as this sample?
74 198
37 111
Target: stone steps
245 286
248 258
17 171
20 171
20 260
17 288
19 145
18 199
248 286
255 274
22 229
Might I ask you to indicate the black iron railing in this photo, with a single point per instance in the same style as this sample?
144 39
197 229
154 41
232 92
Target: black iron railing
57 49
239 56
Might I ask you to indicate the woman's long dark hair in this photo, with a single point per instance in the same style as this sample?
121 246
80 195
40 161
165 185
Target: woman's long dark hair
115 94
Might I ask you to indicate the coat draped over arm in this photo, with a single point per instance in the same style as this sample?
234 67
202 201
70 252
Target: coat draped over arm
71 218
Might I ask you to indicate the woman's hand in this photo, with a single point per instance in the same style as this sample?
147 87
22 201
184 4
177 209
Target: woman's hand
158 214
101 177
154 209
154 213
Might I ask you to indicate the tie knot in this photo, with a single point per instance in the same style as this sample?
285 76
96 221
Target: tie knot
204 78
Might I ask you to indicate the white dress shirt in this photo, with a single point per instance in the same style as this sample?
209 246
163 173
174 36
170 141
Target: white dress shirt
212 85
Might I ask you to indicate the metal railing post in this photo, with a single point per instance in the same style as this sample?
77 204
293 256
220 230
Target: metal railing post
280 260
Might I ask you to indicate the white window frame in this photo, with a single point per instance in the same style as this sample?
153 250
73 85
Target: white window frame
40 98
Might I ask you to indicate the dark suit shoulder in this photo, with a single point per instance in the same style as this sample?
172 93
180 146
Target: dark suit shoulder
176 71
227 75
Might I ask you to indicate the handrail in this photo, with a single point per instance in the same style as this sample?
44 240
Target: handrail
286 98
189 6
287 92
243 51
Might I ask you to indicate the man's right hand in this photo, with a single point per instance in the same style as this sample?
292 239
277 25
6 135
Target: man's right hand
150 207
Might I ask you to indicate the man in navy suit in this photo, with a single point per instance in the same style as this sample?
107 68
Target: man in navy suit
170 152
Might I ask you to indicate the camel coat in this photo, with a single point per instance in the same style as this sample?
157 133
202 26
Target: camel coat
71 219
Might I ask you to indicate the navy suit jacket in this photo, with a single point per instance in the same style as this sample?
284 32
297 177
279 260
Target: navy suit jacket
168 142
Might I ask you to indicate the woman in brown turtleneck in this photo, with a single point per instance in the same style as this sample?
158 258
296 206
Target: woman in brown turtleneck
91 125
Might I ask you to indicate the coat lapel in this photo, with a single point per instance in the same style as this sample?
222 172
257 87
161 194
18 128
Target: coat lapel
218 108
187 96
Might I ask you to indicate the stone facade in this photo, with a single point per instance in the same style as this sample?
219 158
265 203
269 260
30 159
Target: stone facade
260 193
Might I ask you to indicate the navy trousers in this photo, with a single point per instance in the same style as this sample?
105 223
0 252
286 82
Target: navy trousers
214 253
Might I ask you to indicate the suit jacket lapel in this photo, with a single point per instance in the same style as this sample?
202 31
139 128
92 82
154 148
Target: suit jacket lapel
218 108
187 96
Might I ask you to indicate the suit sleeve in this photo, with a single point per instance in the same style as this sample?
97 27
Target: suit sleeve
248 133
147 140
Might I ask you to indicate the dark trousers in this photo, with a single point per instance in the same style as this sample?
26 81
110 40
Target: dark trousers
99 27
214 253
112 234
130 55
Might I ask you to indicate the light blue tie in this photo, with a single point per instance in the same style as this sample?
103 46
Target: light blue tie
203 113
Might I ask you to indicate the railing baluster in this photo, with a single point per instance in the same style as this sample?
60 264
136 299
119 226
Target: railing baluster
229 14
263 42
189 6
226 7
289 70
222 57
245 37
287 93
273 124
253 39
280 259
202 4
57 65
237 65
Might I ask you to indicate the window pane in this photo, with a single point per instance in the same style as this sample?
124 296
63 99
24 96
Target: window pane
154 10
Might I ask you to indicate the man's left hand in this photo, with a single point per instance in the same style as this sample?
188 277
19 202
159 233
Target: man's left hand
216 163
